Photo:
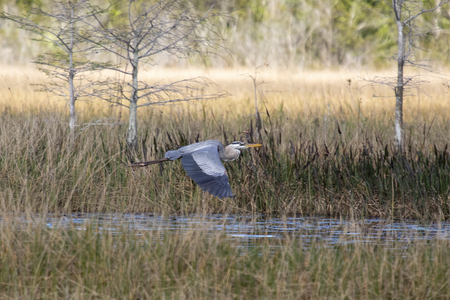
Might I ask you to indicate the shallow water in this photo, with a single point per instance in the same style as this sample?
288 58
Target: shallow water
247 230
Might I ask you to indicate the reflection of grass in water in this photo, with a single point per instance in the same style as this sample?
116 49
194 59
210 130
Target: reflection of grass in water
39 262
326 152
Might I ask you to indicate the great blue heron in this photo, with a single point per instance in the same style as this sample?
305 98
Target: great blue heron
202 163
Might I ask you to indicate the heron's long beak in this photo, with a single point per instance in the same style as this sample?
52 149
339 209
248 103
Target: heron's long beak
252 145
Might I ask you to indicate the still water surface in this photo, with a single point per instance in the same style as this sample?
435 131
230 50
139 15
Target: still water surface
247 230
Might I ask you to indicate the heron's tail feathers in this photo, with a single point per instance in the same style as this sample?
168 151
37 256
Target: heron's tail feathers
148 163
173 154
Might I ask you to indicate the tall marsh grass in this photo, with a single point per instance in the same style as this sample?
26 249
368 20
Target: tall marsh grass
327 149
100 260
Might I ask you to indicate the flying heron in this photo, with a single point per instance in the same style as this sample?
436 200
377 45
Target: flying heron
202 163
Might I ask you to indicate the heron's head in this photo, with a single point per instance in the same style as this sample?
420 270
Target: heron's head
241 145
232 151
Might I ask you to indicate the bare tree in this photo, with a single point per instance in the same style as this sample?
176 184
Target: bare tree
405 14
62 25
168 27
256 84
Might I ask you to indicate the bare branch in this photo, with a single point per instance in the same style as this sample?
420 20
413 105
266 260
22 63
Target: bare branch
166 27
187 99
425 11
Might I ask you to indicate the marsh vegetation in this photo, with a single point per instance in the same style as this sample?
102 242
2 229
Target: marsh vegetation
328 150
100 259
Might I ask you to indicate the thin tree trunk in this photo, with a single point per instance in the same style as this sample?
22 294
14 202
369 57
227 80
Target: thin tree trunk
72 115
399 87
132 127
257 119
132 122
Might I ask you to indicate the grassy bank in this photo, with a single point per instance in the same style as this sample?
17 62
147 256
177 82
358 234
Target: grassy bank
100 262
327 151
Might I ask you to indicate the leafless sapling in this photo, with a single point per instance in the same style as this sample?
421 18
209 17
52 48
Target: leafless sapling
149 31
406 14
256 84
62 25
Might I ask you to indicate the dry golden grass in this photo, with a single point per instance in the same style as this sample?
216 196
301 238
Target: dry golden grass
316 133
307 93
293 174
308 96
324 98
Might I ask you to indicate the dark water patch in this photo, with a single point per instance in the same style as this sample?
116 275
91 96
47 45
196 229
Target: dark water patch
244 230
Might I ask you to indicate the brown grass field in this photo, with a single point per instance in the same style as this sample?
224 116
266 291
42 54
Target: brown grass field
327 147
307 95
327 152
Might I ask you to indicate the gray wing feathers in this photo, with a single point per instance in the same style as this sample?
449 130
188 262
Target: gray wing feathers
206 169
199 146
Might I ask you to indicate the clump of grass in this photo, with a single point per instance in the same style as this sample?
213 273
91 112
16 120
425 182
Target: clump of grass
106 261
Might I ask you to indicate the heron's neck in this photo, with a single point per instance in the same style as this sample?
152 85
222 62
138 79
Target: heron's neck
229 154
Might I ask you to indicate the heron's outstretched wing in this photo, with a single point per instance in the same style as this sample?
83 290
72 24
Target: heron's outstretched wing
206 169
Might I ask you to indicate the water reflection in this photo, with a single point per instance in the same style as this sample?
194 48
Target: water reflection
247 230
